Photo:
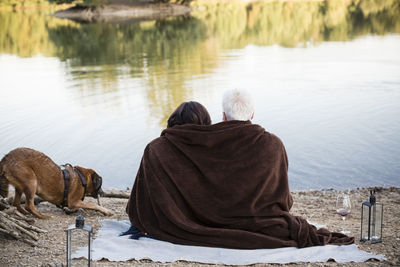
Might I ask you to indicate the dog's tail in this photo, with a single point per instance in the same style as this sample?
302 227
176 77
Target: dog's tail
3 182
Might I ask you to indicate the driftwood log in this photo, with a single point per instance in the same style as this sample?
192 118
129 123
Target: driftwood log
115 193
3 204
18 226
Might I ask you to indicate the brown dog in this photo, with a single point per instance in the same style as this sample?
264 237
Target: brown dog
32 172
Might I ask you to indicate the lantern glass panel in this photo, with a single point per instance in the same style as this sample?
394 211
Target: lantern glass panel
365 221
376 227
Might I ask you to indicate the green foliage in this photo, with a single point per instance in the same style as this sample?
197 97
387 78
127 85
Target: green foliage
30 3
96 2
295 23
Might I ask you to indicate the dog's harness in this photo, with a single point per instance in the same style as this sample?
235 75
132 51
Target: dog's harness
83 180
66 184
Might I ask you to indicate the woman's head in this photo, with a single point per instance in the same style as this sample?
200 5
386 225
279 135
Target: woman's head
189 113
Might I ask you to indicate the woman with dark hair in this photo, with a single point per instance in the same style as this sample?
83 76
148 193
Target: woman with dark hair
191 112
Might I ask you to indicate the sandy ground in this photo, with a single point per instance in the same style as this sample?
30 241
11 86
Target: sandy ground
316 206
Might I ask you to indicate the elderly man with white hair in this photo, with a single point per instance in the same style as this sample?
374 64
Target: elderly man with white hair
237 105
221 185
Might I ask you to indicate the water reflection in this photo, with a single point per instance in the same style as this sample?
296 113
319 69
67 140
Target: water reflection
26 33
167 54
290 24
163 53
115 85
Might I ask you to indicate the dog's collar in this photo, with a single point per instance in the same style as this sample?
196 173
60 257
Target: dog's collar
83 180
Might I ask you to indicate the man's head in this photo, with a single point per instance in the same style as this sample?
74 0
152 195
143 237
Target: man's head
237 105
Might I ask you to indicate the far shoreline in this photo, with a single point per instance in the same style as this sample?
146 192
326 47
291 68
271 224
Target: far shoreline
121 11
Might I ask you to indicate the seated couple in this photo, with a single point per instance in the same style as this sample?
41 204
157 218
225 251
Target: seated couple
219 185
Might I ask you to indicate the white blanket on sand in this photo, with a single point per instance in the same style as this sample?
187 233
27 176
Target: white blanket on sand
109 245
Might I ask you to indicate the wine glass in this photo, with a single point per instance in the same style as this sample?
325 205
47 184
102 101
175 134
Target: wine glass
343 207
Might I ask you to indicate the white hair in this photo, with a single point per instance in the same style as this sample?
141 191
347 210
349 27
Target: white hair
237 105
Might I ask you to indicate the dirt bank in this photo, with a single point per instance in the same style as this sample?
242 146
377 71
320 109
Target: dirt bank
316 206
123 11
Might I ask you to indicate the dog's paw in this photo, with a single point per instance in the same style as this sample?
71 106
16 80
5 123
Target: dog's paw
108 213
22 210
69 211
44 216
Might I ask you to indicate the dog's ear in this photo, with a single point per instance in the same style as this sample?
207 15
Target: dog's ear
95 178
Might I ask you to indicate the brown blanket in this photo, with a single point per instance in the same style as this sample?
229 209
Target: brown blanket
223 185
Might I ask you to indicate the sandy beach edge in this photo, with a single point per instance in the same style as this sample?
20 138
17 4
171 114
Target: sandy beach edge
315 206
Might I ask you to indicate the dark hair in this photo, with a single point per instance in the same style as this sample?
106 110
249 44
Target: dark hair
189 113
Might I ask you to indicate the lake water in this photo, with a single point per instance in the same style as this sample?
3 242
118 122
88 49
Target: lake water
325 78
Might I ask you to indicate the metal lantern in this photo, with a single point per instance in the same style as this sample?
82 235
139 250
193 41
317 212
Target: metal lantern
79 225
371 220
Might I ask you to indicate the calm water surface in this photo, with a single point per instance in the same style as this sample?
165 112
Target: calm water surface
325 78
